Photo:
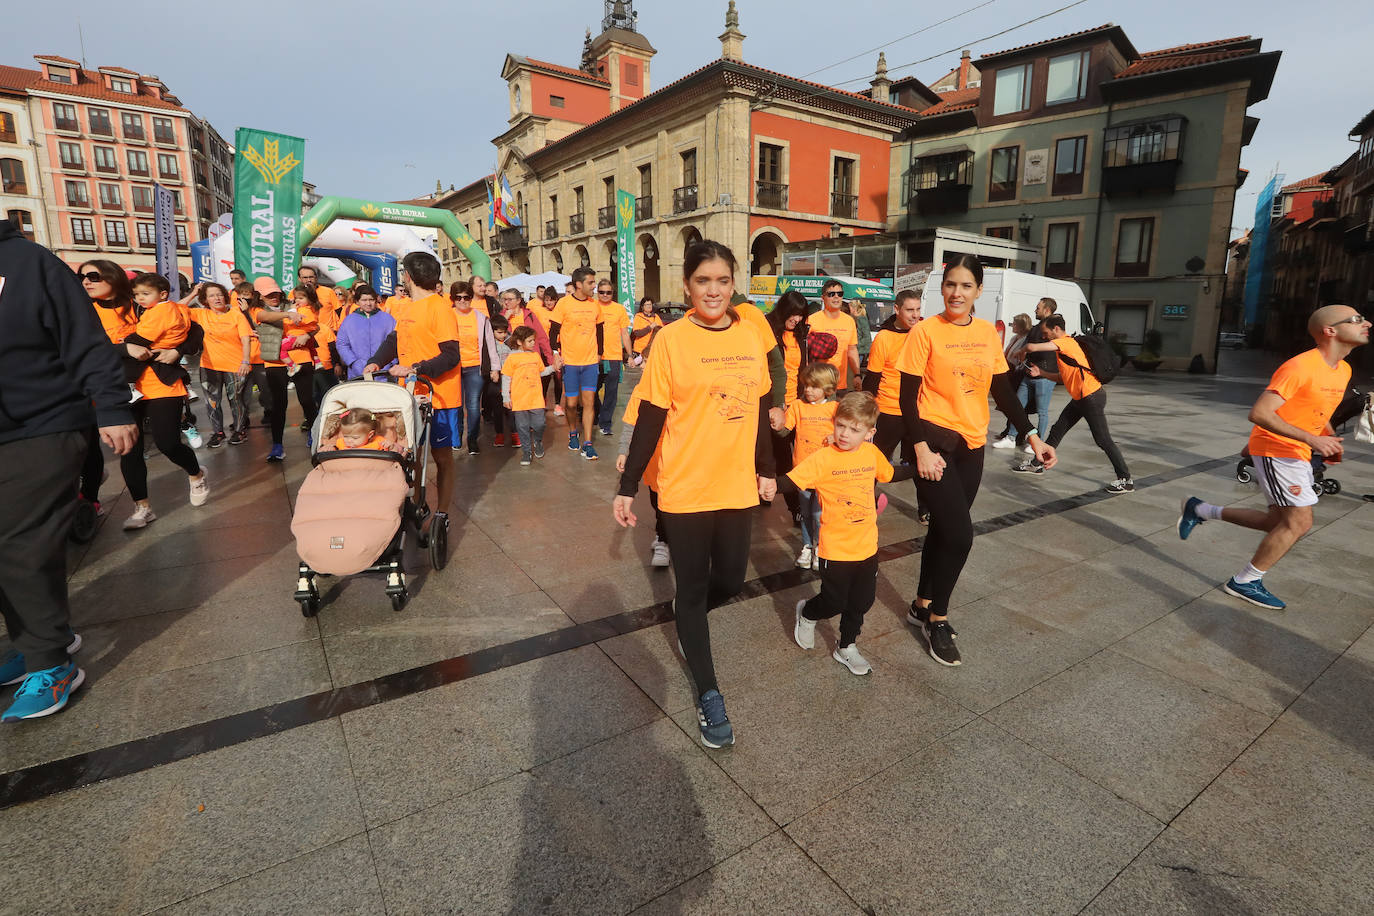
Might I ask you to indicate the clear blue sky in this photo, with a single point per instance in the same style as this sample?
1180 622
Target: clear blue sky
394 96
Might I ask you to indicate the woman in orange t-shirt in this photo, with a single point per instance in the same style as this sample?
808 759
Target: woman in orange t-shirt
706 397
224 361
788 322
249 303
297 321
948 366
108 286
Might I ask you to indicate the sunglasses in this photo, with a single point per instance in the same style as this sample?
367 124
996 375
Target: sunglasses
93 277
834 295
463 298
605 292
1353 319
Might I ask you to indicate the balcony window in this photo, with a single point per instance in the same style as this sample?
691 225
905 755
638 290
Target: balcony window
12 179
7 131
1012 90
1142 142
685 198
164 131
143 199
605 217
771 194
1068 78
577 223
78 195
1061 250
24 220
64 117
83 232
1133 242
116 233
70 154
844 202
131 126
689 169
100 121
110 197
941 179
147 235
770 191
551 228
646 181
644 206
167 166
138 162
1069 154
1003 172
104 157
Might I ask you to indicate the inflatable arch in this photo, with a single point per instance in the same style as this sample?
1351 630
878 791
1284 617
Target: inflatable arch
382 266
330 209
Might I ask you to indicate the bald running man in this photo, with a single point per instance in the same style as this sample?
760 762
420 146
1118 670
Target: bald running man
1292 419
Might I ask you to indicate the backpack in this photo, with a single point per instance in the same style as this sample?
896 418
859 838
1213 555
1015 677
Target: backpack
1101 359
821 345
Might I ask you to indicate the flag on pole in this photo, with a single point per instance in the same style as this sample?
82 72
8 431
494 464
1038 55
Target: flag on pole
508 211
491 211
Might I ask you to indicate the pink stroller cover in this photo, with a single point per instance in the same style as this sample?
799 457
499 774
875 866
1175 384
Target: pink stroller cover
347 512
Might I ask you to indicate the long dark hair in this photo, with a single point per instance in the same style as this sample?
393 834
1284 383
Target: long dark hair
789 303
698 253
970 263
122 291
308 293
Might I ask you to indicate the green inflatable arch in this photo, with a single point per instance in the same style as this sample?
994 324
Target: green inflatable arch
332 208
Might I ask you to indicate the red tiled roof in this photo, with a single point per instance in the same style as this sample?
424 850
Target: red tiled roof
1179 61
120 70
16 77
957 100
59 58
855 95
1198 46
1036 44
90 86
1313 182
568 71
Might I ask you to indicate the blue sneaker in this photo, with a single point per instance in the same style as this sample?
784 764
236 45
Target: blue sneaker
12 668
44 692
276 454
715 724
1253 592
573 443
589 452
310 442
1189 519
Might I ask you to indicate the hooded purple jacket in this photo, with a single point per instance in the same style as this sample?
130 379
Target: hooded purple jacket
359 337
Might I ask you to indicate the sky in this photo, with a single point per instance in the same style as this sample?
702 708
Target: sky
392 97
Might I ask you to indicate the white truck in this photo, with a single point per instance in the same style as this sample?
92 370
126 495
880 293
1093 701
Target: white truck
1008 293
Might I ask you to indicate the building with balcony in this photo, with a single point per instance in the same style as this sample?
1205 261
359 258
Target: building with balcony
102 137
1119 166
21 187
733 152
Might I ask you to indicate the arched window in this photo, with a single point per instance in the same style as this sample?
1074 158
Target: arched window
24 220
12 177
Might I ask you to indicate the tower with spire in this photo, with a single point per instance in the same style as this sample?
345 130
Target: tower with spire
620 54
732 39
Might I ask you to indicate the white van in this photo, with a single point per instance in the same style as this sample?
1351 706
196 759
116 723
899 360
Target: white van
1008 293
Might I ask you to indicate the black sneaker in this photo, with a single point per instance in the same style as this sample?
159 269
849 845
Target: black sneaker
473 448
215 441
940 637
920 616
239 437
1120 485
1029 467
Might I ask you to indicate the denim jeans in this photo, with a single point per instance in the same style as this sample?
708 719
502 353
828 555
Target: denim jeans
810 518
606 415
472 403
1043 389
530 426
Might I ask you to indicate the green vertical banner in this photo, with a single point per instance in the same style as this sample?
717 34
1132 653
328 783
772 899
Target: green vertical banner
625 248
269 174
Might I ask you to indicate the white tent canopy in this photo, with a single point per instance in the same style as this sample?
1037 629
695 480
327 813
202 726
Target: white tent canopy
527 283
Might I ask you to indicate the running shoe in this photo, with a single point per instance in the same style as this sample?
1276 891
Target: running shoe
919 616
1005 442
605 431
558 410
539 449
277 453
12 668
940 639
573 443
526 460
661 558
1189 519
514 440
715 724
473 447
849 657
589 452
200 489
804 631
239 437
1255 593
193 437
1029 467
46 692
500 440
1121 485
1027 449
804 558
216 441
140 519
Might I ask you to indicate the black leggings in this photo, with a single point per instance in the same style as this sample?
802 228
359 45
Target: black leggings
950 538
164 422
276 383
1093 408
93 467
892 432
848 588
710 559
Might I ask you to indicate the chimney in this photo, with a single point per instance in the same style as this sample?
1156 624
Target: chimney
963 70
732 39
881 84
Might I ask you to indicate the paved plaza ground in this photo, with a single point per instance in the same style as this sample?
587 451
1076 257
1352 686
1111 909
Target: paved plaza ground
1122 737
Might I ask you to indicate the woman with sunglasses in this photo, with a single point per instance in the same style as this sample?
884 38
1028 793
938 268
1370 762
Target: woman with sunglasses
107 285
615 341
477 350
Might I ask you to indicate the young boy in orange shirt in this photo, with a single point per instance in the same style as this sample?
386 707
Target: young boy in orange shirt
842 474
522 393
813 418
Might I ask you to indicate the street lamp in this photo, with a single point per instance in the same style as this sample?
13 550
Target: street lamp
1024 221
650 252
834 230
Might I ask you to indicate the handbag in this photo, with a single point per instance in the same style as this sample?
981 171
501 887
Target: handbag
1364 428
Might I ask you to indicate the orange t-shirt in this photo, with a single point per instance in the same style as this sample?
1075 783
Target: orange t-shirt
421 326
844 481
329 301
639 323
524 368
1076 381
323 338
755 317
956 364
117 326
791 361
1311 392
468 341
308 324
577 336
882 359
846 335
650 477
710 382
813 422
392 302
374 442
544 315
613 320
480 305
225 333
165 325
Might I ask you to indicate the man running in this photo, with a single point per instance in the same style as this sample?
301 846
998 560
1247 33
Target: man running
1292 419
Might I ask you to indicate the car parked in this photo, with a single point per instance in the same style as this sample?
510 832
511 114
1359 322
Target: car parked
1231 340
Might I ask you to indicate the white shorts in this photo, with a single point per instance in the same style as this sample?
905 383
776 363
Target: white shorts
1286 482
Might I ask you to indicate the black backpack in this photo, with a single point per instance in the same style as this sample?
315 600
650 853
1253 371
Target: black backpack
1101 359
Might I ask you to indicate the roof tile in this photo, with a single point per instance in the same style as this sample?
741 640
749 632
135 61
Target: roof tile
57 57
1180 61
957 100
1197 46
1314 181
1036 44
90 86
569 71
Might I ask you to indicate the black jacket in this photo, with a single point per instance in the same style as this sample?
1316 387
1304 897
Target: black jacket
54 357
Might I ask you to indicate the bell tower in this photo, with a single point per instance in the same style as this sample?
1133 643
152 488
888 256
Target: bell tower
620 54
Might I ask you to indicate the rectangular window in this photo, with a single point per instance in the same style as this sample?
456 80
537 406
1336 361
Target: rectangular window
7 131
164 131
167 166
608 191
138 162
100 121
842 176
770 163
12 177
578 200
947 170
557 101
1002 179
1061 252
689 167
143 199
24 220
60 74
83 232
999 232
176 201
131 126
1142 142
105 159
70 154
1133 242
1012 93
1068 78
147 235
646 181
631 73
121 85
181 236
116 233
110 197
1069 155
78 195
64 117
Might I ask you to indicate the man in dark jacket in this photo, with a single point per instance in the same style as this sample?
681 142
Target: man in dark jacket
1032 388
59 376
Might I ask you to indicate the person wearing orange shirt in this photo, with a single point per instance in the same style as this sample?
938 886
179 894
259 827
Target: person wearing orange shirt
482 301
358 430
543 310
1088 402
1292 419
224 361
833 319
425 342
843 474
884 382
643 327
949 364
615 342
522 394
576 334
248 303
107 286
296 320
707 393
787 322
479 362
811 420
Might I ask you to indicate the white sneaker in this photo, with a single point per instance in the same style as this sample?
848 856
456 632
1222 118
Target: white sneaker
140 519
1028 450
816 559
805 630
849 657
1005 442
200 489
804 558
193 437
661 558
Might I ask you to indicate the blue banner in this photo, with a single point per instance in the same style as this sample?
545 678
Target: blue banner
381 266
165 232
202 262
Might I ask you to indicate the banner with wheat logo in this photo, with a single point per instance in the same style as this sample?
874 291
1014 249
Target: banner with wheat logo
269 174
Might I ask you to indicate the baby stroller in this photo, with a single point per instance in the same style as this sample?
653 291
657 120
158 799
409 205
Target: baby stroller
353 509
1348 409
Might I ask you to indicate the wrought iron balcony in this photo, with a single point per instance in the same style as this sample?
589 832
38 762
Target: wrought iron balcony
644 207
770 194
844 206
605 217
577 223
551 229
512 239
685 198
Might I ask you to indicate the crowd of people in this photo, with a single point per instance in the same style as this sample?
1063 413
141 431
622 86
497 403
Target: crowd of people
733 407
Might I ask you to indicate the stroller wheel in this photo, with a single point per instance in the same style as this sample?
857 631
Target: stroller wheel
1330 487
398 601
310 606
1245 470
83 523
438 541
